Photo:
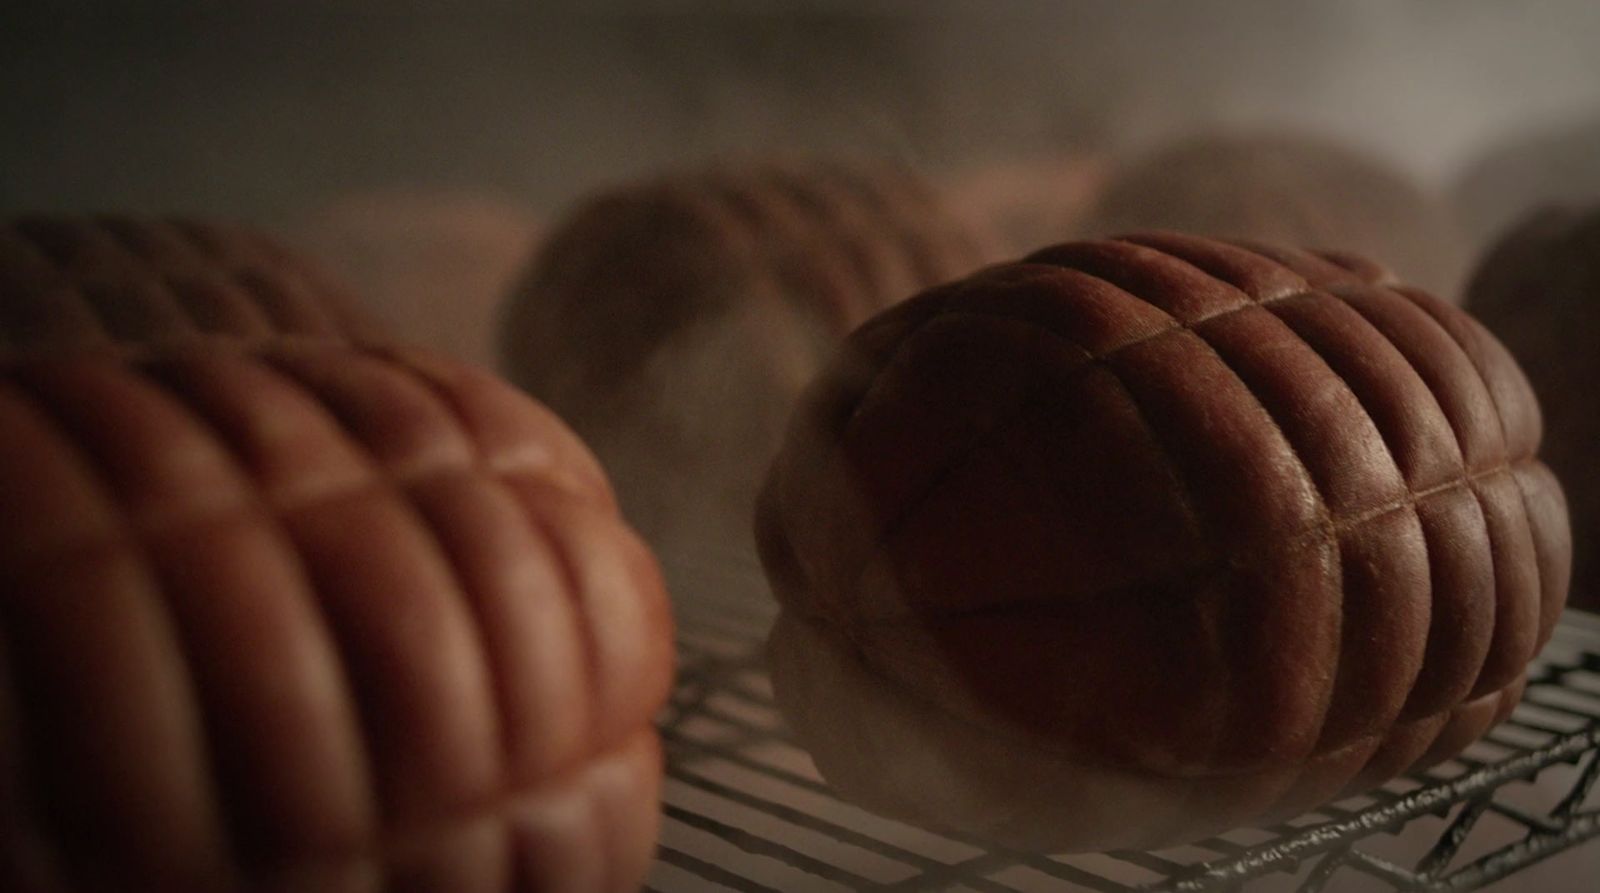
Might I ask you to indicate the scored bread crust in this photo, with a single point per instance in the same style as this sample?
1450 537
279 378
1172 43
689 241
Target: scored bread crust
94 282
313 617
1176 508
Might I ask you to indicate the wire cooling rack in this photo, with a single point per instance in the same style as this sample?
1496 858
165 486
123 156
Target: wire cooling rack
744 808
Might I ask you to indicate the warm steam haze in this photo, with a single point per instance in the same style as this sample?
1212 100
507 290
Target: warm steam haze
980 446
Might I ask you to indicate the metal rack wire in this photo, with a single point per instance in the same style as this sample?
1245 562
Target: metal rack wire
744 809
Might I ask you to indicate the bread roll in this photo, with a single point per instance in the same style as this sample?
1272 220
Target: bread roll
434 265
1527 171
672 322
313 618
1032 202
1134 541
73 283
1538 290
1290 189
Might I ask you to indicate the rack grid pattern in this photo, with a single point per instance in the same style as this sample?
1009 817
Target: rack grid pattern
744 809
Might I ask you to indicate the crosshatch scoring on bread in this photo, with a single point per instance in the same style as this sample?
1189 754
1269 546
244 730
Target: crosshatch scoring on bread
73 283
1139 539
312 617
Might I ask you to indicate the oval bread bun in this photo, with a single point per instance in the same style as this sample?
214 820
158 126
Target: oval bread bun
316 618
1202 532
673 321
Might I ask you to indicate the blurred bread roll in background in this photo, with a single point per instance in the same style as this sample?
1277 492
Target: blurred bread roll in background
83 282
1287 188
434 265
671 321
1031 202
1135 541
1504 185
306 617
1538 290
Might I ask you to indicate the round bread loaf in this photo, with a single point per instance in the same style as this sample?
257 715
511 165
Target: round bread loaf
439 263
1137 540
314 618
1538 290
671 322
68 283
1289 189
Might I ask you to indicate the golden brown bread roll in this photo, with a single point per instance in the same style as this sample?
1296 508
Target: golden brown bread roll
672 321
69 283
1291 189
1138 540
1538 290
314 618
434 265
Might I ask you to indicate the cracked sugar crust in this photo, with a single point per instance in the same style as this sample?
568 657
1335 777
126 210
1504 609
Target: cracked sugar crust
267 612
1273 498
69 283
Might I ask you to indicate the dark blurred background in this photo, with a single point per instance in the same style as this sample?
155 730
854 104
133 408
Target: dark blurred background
259 110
